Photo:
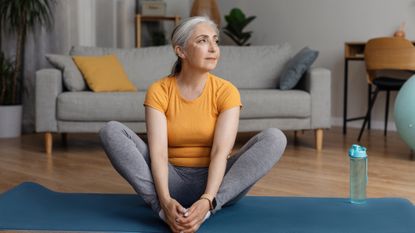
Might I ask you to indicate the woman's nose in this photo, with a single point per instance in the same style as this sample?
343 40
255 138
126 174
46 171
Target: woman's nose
212 46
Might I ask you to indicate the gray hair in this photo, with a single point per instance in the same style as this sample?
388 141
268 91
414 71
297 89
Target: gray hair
182 33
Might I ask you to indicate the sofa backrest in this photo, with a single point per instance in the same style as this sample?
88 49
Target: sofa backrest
253 67
246 67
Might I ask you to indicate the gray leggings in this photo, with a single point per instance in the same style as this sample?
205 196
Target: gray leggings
129 156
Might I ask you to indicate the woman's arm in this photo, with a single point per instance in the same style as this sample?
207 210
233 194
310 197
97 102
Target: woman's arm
156 124
157 140
224 139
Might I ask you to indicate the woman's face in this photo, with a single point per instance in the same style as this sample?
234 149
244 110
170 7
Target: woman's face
202 51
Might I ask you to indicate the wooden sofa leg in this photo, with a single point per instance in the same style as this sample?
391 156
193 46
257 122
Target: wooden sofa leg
319 139
48 142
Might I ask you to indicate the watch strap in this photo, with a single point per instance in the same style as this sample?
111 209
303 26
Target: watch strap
209 198
210 202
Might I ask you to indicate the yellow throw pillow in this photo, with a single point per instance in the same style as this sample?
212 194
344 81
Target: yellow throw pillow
104 73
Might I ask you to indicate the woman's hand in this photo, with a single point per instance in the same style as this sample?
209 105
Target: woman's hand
194 216
174 211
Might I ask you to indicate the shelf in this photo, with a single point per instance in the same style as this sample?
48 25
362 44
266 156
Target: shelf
141 18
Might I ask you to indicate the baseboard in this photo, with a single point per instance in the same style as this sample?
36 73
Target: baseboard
337 121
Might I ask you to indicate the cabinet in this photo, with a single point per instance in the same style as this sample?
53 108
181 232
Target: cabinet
140 18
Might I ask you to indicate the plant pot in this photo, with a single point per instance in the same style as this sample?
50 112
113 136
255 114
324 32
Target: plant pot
10 121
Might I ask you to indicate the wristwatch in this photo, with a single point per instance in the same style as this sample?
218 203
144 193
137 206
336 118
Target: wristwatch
211 199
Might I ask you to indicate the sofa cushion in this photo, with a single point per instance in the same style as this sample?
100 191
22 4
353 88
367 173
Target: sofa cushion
104 73
72 77
128 106
252 67
101 106
143 66
296 67
275 103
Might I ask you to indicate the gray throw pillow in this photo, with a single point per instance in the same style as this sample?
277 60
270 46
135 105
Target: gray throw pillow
296 67
72 77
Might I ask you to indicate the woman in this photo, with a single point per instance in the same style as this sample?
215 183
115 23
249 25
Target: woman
185 173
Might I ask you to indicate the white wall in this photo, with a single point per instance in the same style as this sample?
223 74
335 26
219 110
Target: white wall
325 25
178 7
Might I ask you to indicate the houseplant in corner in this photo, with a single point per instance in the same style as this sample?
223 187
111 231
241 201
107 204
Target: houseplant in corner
237 21
10 113
17 17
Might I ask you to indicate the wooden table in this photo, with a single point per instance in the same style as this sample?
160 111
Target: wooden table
353 51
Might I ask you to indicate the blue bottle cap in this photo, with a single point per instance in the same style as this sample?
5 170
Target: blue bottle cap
357 151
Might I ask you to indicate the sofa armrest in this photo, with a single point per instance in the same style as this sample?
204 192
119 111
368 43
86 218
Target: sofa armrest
317 82
48 87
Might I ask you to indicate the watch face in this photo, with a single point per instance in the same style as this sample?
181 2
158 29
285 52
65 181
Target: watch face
214 203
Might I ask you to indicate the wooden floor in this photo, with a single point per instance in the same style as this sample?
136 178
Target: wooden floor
82 166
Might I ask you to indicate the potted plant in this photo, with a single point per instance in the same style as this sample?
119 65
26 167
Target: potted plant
10 113
17 17
237 21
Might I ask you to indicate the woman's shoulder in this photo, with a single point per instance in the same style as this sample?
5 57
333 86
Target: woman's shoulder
221 83
162 84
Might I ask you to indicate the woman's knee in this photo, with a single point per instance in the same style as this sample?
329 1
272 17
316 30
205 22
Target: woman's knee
109 129
275 136
277 141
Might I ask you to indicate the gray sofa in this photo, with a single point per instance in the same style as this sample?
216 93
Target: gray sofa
65 105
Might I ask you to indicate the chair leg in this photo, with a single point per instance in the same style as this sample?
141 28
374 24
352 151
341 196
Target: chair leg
319 139
386 113
48 143
369 95
372 102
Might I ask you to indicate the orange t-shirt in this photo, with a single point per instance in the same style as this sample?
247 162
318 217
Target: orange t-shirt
191 124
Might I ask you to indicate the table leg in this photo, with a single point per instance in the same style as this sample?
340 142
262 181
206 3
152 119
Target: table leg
369 89
346 64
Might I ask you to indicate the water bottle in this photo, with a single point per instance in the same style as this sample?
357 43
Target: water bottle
358 174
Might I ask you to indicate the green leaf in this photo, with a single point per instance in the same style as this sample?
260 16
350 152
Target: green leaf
235 39
19 17
237 21
247 21
234 29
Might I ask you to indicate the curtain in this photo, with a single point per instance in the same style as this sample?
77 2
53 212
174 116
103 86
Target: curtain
72 27
58 40
115 23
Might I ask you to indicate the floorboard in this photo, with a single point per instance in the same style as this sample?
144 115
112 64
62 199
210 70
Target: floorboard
81 165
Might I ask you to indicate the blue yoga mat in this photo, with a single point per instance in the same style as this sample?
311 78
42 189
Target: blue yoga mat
30 206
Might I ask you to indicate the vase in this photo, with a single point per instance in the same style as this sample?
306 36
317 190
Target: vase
401 31
10 121
206 8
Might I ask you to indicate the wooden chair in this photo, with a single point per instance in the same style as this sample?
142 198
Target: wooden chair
387 53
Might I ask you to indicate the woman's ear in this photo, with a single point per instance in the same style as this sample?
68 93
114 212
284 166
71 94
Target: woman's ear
179 52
